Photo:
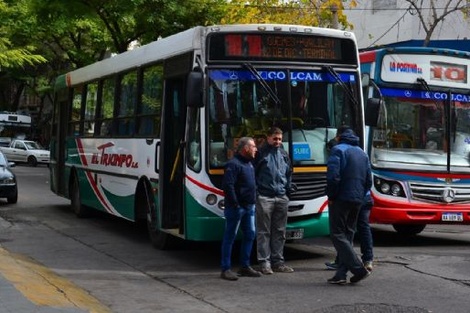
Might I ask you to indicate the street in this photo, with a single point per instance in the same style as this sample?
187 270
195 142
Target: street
113 262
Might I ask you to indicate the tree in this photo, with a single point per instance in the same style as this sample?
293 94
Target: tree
430 23
306 12
75 33
12 55
16 54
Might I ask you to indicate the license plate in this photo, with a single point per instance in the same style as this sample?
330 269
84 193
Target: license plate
452 217
295 234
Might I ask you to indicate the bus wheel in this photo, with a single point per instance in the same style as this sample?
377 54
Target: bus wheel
159 239
409 230
32 161
75 203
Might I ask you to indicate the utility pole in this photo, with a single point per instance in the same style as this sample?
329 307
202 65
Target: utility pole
334 10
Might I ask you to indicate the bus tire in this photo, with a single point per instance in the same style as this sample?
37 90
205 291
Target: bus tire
32 161
159 239
408 229
75 203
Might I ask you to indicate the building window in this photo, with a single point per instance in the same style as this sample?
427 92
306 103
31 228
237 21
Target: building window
379 5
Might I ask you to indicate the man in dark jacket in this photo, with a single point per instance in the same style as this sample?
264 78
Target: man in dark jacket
348 181
239 187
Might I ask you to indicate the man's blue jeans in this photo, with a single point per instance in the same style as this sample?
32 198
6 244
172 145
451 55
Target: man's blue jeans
235 218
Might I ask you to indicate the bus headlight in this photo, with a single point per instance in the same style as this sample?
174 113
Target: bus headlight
389 187
385 188
221 204
211 199
395 191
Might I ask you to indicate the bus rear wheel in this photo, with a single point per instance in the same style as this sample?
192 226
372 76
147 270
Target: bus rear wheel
409 229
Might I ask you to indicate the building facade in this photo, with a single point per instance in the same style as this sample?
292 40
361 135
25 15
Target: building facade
379 23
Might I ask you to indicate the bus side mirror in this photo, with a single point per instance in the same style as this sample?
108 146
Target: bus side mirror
194 90
372 111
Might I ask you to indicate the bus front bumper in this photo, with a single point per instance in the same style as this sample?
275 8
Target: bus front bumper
419 214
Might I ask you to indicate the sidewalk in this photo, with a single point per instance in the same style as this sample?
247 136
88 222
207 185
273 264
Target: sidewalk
28 287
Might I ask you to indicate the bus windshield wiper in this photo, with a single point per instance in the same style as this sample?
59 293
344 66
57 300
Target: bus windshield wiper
263 84
342 84
425 86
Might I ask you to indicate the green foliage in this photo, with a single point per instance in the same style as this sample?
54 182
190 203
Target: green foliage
13 52
41 39
302 12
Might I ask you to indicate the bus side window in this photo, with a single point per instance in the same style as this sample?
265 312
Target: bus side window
217 154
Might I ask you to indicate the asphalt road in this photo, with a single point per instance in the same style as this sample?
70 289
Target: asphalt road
102 264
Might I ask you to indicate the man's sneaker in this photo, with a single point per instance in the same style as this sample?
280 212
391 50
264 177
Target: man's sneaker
283 269
369 265
332 265
266 270
358 277
228 275
337 281
248 272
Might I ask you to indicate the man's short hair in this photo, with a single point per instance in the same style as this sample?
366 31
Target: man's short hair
274 131
342 129
242 142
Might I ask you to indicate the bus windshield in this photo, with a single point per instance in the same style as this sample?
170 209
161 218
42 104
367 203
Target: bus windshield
14 126
412 131
310 103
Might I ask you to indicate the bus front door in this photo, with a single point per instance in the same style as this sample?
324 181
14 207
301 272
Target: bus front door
171 164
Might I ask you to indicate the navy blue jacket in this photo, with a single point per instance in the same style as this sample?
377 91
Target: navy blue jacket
348 175
273 171
239 182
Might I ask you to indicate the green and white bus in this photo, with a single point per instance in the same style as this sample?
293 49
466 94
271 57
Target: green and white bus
144 135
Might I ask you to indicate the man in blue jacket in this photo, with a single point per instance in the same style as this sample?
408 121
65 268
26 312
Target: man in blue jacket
239 187
348 181
274 183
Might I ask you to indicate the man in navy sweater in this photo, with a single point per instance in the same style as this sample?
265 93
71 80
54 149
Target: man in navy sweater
239 186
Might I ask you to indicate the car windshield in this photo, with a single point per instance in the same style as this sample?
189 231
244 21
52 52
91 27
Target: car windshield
31 145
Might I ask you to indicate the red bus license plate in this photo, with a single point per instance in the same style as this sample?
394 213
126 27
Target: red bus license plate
452 217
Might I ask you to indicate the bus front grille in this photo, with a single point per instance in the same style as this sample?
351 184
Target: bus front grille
440 193
309 185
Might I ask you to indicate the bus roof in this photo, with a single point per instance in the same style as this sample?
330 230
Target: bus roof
12 118
369 54
180 43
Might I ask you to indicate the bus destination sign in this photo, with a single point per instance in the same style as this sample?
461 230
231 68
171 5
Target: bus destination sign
279 47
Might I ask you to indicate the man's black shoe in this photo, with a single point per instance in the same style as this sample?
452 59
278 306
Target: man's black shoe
337 281
228 275
358 277
248 272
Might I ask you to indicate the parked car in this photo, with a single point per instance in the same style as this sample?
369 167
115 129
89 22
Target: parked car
8 186
27 151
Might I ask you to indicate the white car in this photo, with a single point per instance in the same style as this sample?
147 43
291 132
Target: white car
26 151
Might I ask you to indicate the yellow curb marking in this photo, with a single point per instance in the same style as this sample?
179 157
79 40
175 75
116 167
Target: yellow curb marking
43 287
